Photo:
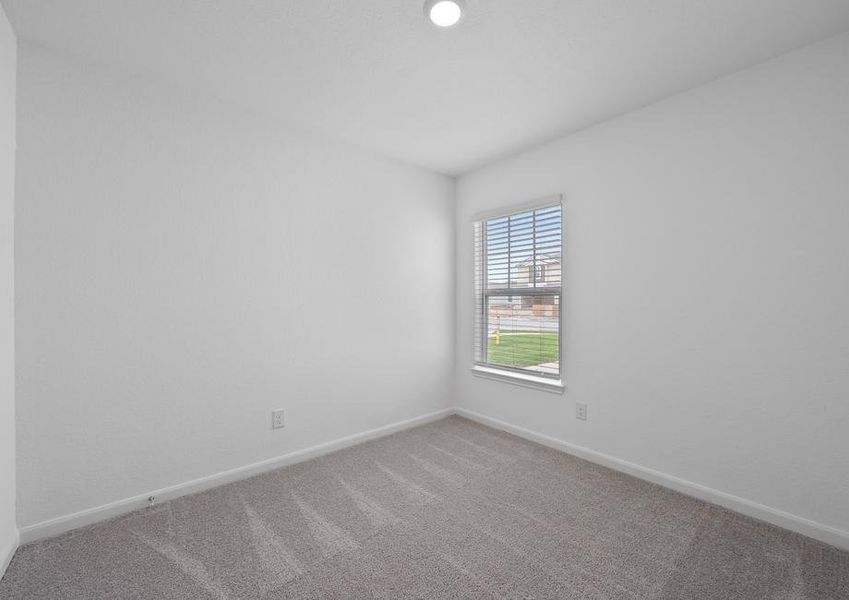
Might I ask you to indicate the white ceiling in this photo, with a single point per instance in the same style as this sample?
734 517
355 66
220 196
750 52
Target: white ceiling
377 74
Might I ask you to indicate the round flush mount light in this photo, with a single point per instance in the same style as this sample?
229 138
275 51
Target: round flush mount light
444 13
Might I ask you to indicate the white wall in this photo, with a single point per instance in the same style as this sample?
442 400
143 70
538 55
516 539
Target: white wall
707 285
184 268
8 528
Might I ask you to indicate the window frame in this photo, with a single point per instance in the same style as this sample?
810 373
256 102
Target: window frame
514 375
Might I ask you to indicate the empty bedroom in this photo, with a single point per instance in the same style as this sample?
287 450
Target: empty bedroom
424 299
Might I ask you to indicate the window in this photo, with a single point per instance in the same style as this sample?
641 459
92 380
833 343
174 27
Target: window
539 273
517 292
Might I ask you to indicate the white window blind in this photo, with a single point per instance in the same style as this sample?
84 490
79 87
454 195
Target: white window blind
518 266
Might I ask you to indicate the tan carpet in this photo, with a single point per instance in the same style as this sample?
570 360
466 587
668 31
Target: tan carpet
448 510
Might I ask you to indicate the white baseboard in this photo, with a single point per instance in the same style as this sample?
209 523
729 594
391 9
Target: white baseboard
8 552
824 533
58 525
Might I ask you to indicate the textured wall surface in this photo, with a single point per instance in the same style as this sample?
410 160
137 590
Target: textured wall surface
705 285
185 268
8 50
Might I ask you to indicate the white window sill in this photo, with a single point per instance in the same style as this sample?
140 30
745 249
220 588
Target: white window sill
540 383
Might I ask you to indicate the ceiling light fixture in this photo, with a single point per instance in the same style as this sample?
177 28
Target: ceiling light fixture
444 13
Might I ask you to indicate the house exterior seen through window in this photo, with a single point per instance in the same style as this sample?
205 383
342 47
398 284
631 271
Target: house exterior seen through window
517 291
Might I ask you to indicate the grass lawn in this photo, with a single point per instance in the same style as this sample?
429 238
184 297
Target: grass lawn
524 349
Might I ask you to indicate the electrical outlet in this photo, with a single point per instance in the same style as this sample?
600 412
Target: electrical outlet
581 411
278 420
